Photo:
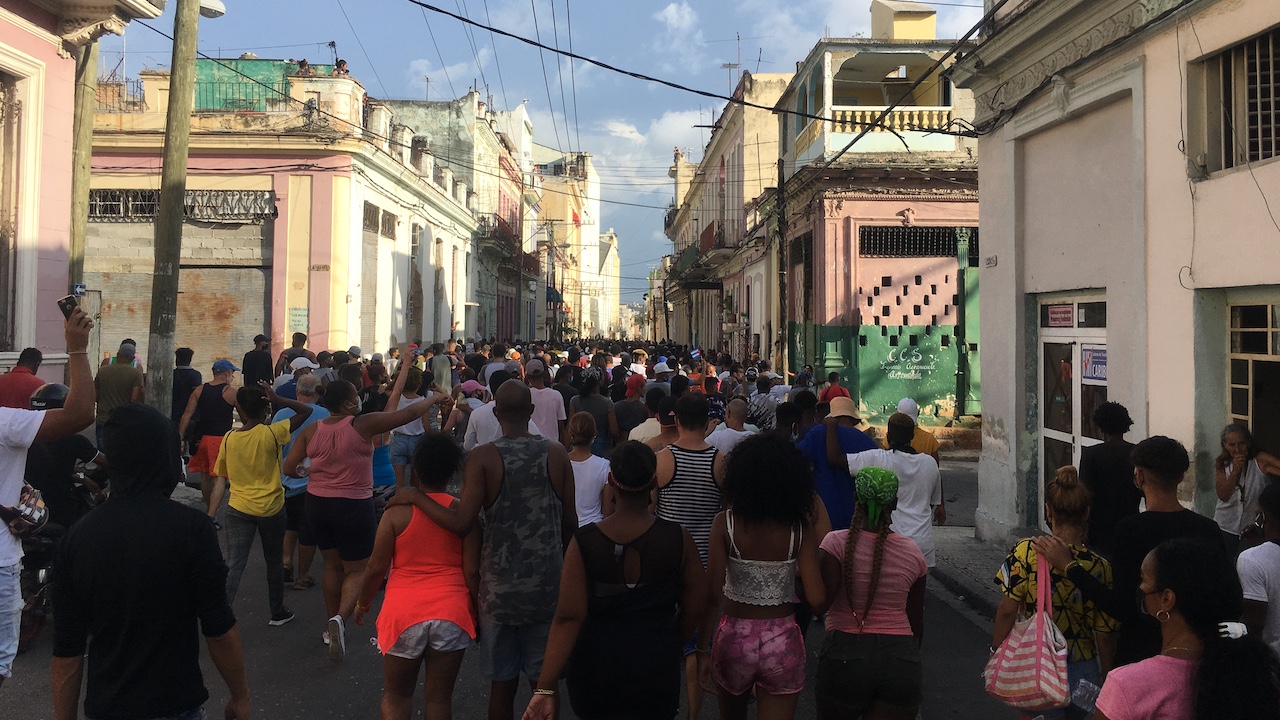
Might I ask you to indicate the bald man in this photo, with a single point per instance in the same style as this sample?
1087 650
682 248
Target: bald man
726 437
523 483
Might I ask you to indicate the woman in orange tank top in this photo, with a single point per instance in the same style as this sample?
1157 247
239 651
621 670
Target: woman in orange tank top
428 613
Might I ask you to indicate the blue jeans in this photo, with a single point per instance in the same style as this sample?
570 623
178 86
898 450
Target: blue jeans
1077 671
600 446
10 615
241 529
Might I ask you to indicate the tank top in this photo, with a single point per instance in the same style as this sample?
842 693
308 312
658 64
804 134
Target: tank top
521 554
341 462
213 412
426 580
383 473
414 426
692 498
760 582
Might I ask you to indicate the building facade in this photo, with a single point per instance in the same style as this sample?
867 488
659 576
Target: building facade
1130 179
39 44
307 210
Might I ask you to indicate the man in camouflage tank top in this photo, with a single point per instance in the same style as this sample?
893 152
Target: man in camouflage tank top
523 484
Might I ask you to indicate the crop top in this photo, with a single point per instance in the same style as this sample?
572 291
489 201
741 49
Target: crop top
760 582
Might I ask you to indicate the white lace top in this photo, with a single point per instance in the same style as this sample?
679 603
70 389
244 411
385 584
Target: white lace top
761 582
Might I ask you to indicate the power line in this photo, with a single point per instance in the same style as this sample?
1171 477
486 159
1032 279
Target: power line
493 41
361 44
543 59
577 128
443 67
555 29
471 39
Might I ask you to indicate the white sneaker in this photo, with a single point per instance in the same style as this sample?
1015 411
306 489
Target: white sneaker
337 639
324 637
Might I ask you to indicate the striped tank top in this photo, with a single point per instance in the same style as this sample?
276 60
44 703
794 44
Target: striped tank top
692 498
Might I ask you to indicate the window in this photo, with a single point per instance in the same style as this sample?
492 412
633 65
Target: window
802 107
1253 372
372 216
388 225
10 138
899 241
1242 103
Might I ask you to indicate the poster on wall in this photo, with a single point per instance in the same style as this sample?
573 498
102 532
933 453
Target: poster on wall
1093 364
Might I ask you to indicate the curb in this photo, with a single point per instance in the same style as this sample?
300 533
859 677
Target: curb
982 601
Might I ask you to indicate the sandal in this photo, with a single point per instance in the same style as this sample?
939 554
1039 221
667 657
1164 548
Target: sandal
303 583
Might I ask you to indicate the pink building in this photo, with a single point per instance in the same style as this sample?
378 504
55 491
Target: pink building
37 108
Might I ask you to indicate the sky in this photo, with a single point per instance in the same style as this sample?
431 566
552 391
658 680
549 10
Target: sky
629 126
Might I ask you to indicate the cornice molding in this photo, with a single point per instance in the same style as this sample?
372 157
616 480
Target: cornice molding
1048 38
80 25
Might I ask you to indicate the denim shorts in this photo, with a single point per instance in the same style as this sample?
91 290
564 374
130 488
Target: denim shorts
10 615
508 650
856 671
402 447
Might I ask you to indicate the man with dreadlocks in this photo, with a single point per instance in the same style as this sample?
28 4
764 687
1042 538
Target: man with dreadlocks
869 664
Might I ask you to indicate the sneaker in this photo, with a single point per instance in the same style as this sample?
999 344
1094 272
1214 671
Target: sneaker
324 637
288 574
279 619
337 639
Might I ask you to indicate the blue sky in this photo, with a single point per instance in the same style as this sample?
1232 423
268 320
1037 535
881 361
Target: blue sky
629 126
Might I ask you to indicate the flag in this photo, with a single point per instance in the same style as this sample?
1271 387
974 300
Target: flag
696 354
577 220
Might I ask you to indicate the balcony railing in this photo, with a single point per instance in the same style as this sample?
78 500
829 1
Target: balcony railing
242 96
117 97
903 119
670 218
494 228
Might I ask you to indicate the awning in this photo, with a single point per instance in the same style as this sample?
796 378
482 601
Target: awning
553 295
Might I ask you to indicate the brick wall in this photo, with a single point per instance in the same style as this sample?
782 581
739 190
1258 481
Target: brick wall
127 246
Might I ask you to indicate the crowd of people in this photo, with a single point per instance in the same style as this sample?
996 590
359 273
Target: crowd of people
641 521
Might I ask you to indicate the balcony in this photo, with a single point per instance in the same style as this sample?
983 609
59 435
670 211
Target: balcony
908 123
670 218
496 232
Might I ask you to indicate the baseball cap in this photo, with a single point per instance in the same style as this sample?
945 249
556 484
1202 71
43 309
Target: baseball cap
844 407
260 338
535 367
635 383
377 358
297 364
471 386
910 408
661 367
224 366
354 352
771 375
752 373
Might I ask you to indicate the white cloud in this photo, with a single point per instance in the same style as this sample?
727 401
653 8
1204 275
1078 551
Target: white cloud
680 44
620 129
458 75
679 19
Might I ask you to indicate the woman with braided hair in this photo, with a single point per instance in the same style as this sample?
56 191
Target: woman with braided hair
869 664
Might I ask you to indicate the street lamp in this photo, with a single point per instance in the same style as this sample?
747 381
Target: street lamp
173 190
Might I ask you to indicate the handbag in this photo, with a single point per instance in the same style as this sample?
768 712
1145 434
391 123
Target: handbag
1029 669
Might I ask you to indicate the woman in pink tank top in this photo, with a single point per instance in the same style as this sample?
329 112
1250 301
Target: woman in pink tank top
339 500
428 613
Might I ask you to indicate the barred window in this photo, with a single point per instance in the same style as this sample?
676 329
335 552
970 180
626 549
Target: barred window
900 241
372 217
242 206
1242 103
388 225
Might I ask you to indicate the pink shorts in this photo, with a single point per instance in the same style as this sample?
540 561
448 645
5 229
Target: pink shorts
767 653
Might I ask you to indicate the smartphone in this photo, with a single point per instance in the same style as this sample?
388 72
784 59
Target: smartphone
67 305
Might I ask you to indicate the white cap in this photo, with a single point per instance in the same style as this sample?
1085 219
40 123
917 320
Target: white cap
661 368
771 375
302 362
907 406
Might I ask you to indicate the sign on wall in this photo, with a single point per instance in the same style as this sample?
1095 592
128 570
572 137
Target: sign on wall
1062 316
1093 364
298 319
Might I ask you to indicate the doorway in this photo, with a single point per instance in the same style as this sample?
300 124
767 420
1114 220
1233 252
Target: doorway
1073 379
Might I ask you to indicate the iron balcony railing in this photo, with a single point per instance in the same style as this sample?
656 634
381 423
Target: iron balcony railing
120 96
217 96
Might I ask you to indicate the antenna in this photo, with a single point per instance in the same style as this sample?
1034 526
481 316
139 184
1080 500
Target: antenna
333 45
427 81
730 67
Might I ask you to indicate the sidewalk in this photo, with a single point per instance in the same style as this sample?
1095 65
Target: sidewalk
967 567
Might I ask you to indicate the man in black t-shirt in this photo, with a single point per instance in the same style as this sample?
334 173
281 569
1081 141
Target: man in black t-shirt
51 469
256 365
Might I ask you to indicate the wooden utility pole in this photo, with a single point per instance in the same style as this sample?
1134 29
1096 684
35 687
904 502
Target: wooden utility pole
86 103
169 214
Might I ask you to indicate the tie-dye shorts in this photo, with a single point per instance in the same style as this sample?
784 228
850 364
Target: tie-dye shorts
767 653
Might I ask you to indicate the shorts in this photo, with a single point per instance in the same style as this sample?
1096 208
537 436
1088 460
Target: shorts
508 650
767 653
402 447
438 635
206 454
347 525
295 518
855 671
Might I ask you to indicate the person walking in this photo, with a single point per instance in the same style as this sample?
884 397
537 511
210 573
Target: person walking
1259 570
210 407
632 589
726 437
1106 470
833 389
17 385
869 663
835 486
1087 628
118 381
590 472
523 485
919 481
185 381
548 404
296 534
340 512
591 400
137 642
432 582
20 429
1209 667
759 547
249 465
298 349
650 428
257 362
630 412
404 439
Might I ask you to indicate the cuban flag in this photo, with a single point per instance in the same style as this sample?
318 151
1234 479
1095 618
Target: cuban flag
696 354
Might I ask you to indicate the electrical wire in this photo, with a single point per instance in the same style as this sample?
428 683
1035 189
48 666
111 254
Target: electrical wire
543 59
493 42
361 44
555 29
577 128
443 67
469 33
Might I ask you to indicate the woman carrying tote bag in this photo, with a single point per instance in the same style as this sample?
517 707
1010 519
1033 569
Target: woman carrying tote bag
1038 662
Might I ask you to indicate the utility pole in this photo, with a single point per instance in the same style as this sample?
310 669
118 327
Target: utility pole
86 101
173 191
782 268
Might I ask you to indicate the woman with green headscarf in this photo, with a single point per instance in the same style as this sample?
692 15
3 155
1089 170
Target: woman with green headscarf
869 664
